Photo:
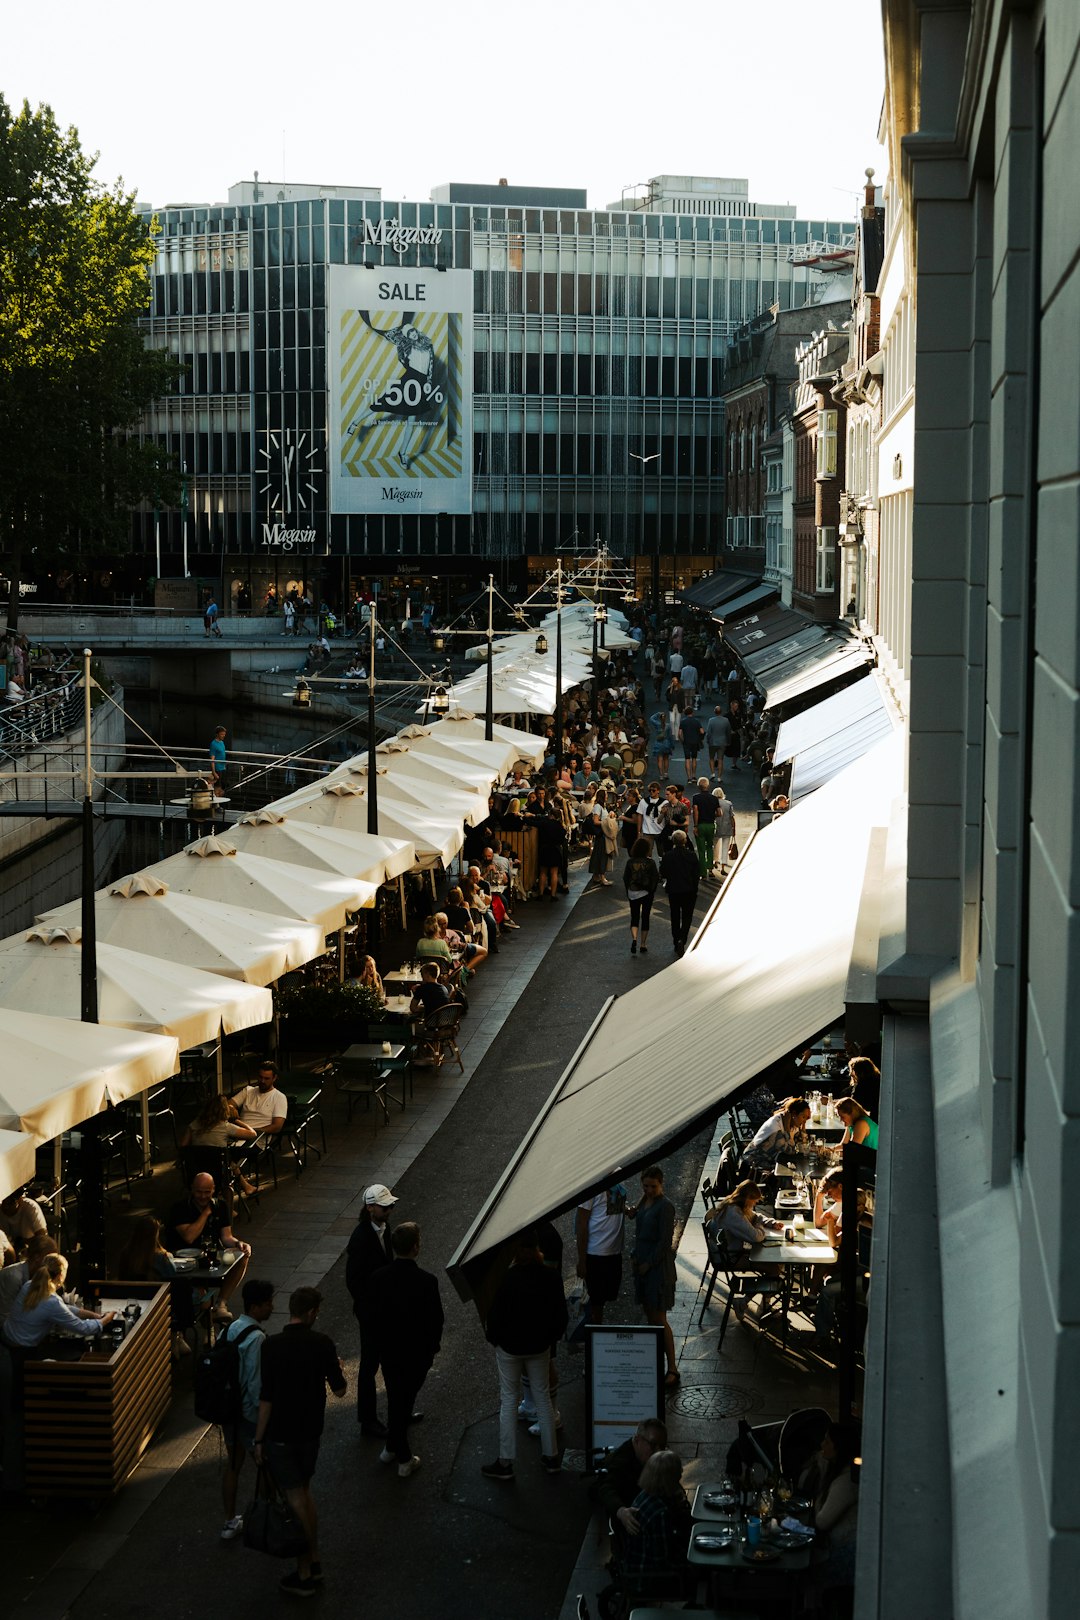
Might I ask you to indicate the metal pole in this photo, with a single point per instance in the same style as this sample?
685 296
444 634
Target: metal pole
558 672
595 675
372 757
92 1181
489 697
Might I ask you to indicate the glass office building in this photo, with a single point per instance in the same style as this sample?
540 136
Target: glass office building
595 363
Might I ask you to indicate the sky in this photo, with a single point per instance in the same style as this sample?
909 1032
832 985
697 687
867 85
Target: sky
183 101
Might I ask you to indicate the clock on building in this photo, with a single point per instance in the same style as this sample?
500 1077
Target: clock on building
289 464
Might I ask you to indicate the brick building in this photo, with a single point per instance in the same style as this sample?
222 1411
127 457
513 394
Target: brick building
819 424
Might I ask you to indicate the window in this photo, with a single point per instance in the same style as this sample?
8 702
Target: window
826 560
826 444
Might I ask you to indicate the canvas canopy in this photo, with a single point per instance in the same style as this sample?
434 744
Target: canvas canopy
58 1072
214 868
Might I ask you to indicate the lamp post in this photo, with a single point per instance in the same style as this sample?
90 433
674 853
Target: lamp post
489 684
373 780
92 1179
599 620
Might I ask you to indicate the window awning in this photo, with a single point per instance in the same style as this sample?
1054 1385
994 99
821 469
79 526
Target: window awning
829 661
738 605
761 629
767 970
716 588
835 733
783 652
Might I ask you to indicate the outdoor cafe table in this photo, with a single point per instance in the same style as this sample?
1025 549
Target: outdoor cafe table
402 978
373 1053
731 1562
400 1006
214 1275
812 1249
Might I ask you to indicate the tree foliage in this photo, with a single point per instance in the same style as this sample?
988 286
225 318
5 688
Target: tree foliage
75 375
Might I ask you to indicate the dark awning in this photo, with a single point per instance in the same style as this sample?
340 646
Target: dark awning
716 588
739 605
818 666
782 649
756 630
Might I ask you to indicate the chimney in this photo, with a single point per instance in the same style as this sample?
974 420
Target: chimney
869 194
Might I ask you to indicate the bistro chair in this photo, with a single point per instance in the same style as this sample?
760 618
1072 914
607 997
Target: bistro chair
441 1031
364 1080
722 1265
403 1065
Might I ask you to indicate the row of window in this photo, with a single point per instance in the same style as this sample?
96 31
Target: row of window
586 375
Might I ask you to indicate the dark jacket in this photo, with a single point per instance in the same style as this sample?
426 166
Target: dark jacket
641 875
679 870
617 1481
528 1312
365 1255
405 1308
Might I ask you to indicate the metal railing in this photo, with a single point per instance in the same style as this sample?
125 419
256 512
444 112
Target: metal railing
38 720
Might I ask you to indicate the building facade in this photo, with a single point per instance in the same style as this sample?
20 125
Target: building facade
819 429
971 1410
594 373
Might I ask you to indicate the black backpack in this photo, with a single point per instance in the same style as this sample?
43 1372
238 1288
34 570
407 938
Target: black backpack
218 1392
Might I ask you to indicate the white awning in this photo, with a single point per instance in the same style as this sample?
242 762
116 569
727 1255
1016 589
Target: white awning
17 1161
59 1072
835 752
767 970
465 729
825 719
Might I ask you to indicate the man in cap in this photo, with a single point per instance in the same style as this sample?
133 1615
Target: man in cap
368 1250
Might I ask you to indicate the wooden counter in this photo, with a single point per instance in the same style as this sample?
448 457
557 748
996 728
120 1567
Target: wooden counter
88 1419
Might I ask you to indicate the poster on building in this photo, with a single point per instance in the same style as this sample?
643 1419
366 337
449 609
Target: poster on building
400 356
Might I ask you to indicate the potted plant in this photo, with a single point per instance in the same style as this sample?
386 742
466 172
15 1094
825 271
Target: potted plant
316 1015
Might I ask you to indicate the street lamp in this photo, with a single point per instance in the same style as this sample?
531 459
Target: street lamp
598 621
440 702
541 644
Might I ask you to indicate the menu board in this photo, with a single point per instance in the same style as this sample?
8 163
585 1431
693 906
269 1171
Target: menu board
624 1382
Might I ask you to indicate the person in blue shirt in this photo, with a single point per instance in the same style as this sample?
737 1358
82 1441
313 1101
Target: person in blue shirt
240 1436
38 1310
217 760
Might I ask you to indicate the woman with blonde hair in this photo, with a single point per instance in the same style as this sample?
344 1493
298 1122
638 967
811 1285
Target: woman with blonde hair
369 977
663 1516
734 1217
860 1127
38 1310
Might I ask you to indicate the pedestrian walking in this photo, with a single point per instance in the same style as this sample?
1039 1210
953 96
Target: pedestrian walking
717 736
691 733
679 870
703 805
603 846
527 1314
210 618
248 1333
725 830
407 1319
654 1260
640 878
297 1365
288 609
368 1250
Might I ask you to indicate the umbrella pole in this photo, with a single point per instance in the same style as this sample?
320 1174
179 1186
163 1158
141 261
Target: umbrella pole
57 1171
219 1058
144 1112
401 898
92 1160
341 954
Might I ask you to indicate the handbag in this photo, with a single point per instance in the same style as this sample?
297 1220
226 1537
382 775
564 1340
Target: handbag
733 851
270 1525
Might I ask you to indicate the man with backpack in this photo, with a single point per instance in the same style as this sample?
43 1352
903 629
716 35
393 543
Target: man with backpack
231 1373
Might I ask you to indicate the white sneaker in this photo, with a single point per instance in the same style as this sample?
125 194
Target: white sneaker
526 1413
534 1428
232 1528
406 1469
387 1456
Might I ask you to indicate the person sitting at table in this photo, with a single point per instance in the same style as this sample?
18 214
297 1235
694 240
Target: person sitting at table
263 1106
20 1217
618 1480
663 1516
831 1482
216 1126
860 1127
432 947
459 916
864 1084
734 1217
827 1205
144 1259
201 1219
39 1312
776 1136
429 993
369 977
479 901
13 1277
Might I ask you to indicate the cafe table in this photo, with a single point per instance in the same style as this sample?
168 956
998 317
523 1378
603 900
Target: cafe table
91 1406
371 1054
402 978
400 1006
733 1566
812 1248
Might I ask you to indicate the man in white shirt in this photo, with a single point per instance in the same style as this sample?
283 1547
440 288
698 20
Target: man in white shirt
598 1227
263 1106
21 1217
650 813
675 663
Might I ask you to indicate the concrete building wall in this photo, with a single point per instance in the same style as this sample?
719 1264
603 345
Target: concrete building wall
984 126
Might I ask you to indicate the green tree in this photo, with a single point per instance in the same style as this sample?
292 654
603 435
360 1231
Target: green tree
75 375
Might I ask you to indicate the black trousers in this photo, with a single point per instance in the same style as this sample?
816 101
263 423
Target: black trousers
365 1377
403 1384
682 916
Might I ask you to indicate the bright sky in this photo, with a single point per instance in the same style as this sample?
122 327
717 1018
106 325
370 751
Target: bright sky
183 101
